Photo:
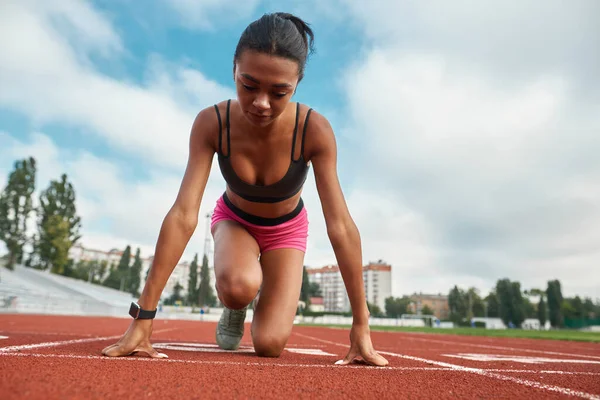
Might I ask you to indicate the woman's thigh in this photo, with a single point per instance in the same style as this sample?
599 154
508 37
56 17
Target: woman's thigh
238 272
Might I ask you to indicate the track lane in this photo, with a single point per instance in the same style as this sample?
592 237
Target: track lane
292 375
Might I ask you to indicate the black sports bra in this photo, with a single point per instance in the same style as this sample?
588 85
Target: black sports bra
286 187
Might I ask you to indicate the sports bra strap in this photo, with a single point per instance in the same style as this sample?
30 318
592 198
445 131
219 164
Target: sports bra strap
295 131
304 132
220 129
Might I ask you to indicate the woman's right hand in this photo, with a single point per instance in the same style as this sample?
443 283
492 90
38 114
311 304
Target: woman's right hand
135 340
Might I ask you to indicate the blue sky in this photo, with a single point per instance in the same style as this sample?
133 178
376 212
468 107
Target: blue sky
467 144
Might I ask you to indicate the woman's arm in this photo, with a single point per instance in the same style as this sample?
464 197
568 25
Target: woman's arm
182 219
344 238
341 229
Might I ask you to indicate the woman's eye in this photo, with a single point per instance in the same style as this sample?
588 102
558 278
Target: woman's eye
249 88
280 94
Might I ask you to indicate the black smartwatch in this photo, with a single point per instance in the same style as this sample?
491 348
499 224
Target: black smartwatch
138 312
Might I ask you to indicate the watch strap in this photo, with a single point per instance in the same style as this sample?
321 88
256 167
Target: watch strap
138 312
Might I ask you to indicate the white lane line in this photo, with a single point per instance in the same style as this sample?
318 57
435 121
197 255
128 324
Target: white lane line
208 362
46 333
516 358
551 372
478 371
3 337
22 347
489 346
266 364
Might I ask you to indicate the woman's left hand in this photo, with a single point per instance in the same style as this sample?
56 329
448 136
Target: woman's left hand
361 346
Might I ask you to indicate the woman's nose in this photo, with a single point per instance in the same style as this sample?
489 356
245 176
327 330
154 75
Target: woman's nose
261 102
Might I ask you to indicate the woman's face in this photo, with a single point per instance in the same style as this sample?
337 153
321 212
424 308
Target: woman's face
265 85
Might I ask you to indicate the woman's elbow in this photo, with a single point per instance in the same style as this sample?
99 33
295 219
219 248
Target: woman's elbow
186 221
341 232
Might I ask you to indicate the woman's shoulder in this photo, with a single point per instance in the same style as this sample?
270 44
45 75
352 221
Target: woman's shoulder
315 121
318 132
208 123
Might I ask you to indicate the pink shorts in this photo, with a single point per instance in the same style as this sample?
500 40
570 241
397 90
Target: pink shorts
289 231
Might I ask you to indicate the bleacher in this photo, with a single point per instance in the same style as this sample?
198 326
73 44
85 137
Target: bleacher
27 290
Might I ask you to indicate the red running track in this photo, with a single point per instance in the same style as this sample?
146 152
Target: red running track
50 357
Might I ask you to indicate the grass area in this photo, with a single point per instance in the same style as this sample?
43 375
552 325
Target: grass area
563 334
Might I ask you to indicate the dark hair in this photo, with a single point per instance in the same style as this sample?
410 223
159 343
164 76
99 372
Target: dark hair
279 34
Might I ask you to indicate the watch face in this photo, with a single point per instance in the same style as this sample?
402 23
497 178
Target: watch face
134 310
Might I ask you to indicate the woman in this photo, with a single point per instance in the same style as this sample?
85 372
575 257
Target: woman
265 146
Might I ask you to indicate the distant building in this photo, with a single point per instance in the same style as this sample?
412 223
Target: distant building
79 253
181 274
377 277
112 257
438 303
332 287
378 283
316 304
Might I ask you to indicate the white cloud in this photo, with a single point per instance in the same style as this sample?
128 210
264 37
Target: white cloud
484 132
208 14
115 211
41 76
478 135
45 76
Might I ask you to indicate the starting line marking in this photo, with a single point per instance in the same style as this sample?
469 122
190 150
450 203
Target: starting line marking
520 359
10 349
213 348
3 337
478 371
270 364
208 362
284 365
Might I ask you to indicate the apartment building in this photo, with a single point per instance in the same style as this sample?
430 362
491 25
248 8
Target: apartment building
180 273
377 278
378 283
112 257
332 287
438 303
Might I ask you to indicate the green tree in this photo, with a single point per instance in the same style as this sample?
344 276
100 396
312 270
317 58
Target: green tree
518 312
426 310
396 306
541 311
134 279
493 307
56 230
58 225
193 282
314 290
15 207
99 271
118 278
374 310
305 294
567 310
535 292
510 301
528 308
176 295
458 303
205 291
578 308
589 308
476 307
555 300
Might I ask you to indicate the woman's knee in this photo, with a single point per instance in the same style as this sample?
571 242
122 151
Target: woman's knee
269 345
236 290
